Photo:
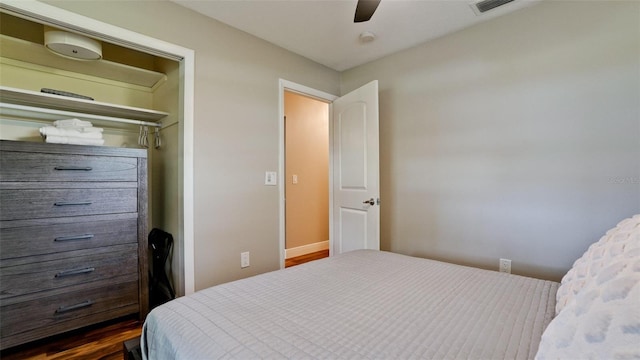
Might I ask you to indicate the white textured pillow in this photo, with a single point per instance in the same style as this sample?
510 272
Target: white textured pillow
625 237
603 322
602 319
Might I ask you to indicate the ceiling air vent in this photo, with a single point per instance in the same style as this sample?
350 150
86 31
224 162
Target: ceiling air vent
486 5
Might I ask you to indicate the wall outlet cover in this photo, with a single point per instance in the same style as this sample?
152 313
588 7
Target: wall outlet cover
244 260
505 266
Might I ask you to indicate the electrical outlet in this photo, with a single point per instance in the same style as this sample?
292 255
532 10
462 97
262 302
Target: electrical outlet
244 260
505 266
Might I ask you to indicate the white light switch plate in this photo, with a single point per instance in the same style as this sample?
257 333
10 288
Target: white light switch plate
270 178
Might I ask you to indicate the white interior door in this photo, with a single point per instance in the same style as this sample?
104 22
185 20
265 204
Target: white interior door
356 175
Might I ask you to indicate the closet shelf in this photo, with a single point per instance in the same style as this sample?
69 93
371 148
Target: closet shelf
49 106
33 54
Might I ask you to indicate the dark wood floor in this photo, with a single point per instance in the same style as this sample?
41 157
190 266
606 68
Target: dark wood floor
306 258
104 341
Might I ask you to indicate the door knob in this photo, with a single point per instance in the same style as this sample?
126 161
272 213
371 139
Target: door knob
370 202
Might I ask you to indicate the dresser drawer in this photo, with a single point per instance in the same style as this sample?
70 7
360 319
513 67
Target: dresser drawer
20 166
45 239
65 271
33 204
68 311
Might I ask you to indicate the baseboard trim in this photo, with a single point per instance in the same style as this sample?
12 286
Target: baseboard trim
306 249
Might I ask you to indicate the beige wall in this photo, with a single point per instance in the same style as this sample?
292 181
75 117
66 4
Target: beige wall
307 157
516 138
236 128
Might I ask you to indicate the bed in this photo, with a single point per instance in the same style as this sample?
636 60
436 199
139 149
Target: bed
369 304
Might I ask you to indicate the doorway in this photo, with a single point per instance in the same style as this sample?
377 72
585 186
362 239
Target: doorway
306 179
354 211
288 87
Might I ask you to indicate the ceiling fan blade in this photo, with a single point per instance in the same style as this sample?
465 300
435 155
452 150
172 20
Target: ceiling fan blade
365 10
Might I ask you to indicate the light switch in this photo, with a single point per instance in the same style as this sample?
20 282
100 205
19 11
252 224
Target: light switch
270 178
294 179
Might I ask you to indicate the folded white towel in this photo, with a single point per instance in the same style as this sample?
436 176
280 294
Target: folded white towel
90 129
73 140
55 131
72 123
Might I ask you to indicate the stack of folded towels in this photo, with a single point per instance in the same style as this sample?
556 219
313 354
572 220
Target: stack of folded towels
72 131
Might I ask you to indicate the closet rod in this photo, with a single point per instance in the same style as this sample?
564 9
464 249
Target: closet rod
78 115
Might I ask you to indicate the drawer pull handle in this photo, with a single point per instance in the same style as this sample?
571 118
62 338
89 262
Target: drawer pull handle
64 309
75 237
71 203
75 272
73 168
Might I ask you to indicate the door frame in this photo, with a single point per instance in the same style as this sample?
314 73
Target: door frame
324 97
51 15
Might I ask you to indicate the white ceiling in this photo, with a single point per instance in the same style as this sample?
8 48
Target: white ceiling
324 31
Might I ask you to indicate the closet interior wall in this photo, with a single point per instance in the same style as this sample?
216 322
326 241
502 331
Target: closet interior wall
165 165
31 71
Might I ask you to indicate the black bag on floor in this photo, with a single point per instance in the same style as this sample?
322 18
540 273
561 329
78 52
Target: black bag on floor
160 289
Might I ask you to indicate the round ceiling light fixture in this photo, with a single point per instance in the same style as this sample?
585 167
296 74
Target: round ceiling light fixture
367 36
72 46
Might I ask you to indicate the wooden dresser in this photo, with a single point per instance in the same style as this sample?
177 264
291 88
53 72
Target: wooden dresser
73 227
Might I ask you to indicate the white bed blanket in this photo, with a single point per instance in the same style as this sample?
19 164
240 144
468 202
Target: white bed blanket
359 305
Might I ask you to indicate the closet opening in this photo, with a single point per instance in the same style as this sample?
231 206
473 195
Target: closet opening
135 72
